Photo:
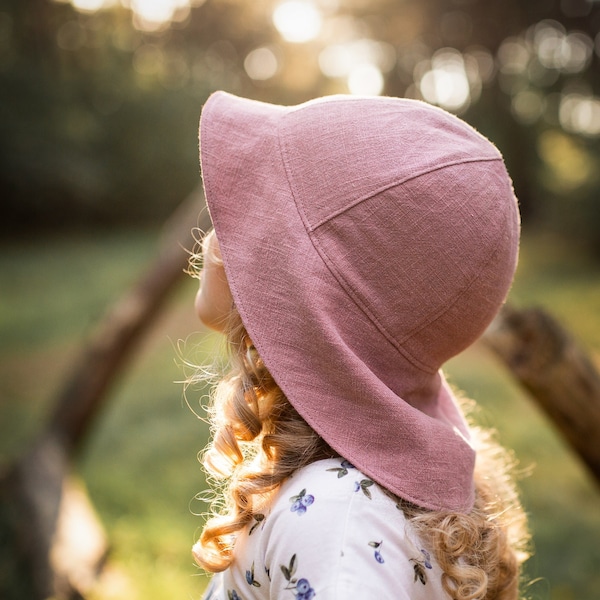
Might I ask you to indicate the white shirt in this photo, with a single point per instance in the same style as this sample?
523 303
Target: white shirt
330 534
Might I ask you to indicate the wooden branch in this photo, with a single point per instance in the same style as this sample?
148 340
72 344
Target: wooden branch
558 373
40 508
122 328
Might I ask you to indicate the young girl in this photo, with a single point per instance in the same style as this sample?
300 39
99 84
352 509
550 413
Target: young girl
358 244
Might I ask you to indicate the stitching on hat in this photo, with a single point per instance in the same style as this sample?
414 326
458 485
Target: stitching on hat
432 318
436 316
288 175
397 182
332 268
366 310
330 265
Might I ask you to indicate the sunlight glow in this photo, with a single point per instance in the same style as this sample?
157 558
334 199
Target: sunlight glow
557 49
580 114
148 15
261 64
297 20
151 15
339 60
91 5
365 80
361 62
446 82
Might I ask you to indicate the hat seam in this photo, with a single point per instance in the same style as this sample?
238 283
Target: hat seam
329 263
392 184
458 296
432 318
332 268
366 310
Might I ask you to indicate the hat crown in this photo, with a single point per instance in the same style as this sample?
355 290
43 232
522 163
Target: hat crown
413 212
347 148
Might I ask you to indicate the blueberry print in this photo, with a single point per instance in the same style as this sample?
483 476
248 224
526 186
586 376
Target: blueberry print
301 502
342 470
419 566
377 553
233 595
427 558
364 485
301 587
304 591
250 577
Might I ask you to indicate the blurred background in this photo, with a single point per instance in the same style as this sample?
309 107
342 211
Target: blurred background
99 108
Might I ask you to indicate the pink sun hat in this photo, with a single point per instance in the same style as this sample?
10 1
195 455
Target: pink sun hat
366 241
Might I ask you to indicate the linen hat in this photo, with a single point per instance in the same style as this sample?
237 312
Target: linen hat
366 241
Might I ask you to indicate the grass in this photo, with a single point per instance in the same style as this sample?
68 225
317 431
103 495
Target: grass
140 464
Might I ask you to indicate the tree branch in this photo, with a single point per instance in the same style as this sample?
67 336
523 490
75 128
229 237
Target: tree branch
556 371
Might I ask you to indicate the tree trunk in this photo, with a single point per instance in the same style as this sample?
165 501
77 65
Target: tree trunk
557 372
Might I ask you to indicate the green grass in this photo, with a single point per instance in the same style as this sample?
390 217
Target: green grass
140 463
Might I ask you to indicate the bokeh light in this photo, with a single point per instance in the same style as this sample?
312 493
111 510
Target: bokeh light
481 63
513 56
148 15
557 49
152 15
91 5
338 60
580 114
362 63
569 166
297 20
365 80
527 106
262 63
444 80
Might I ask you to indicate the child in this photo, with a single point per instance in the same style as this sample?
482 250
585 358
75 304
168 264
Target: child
358 244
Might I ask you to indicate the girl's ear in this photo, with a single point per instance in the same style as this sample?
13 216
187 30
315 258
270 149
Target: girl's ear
214 301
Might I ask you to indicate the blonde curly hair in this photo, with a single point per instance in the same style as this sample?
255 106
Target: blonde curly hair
259 440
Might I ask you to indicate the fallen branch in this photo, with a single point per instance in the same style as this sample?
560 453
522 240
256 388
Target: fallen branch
556 371
41 507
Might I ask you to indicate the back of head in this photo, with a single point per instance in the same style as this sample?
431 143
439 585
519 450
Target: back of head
365 241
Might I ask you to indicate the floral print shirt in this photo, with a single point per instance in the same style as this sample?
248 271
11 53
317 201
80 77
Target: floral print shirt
330 533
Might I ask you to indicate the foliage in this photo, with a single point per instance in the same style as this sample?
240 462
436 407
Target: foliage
99 107
84 137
